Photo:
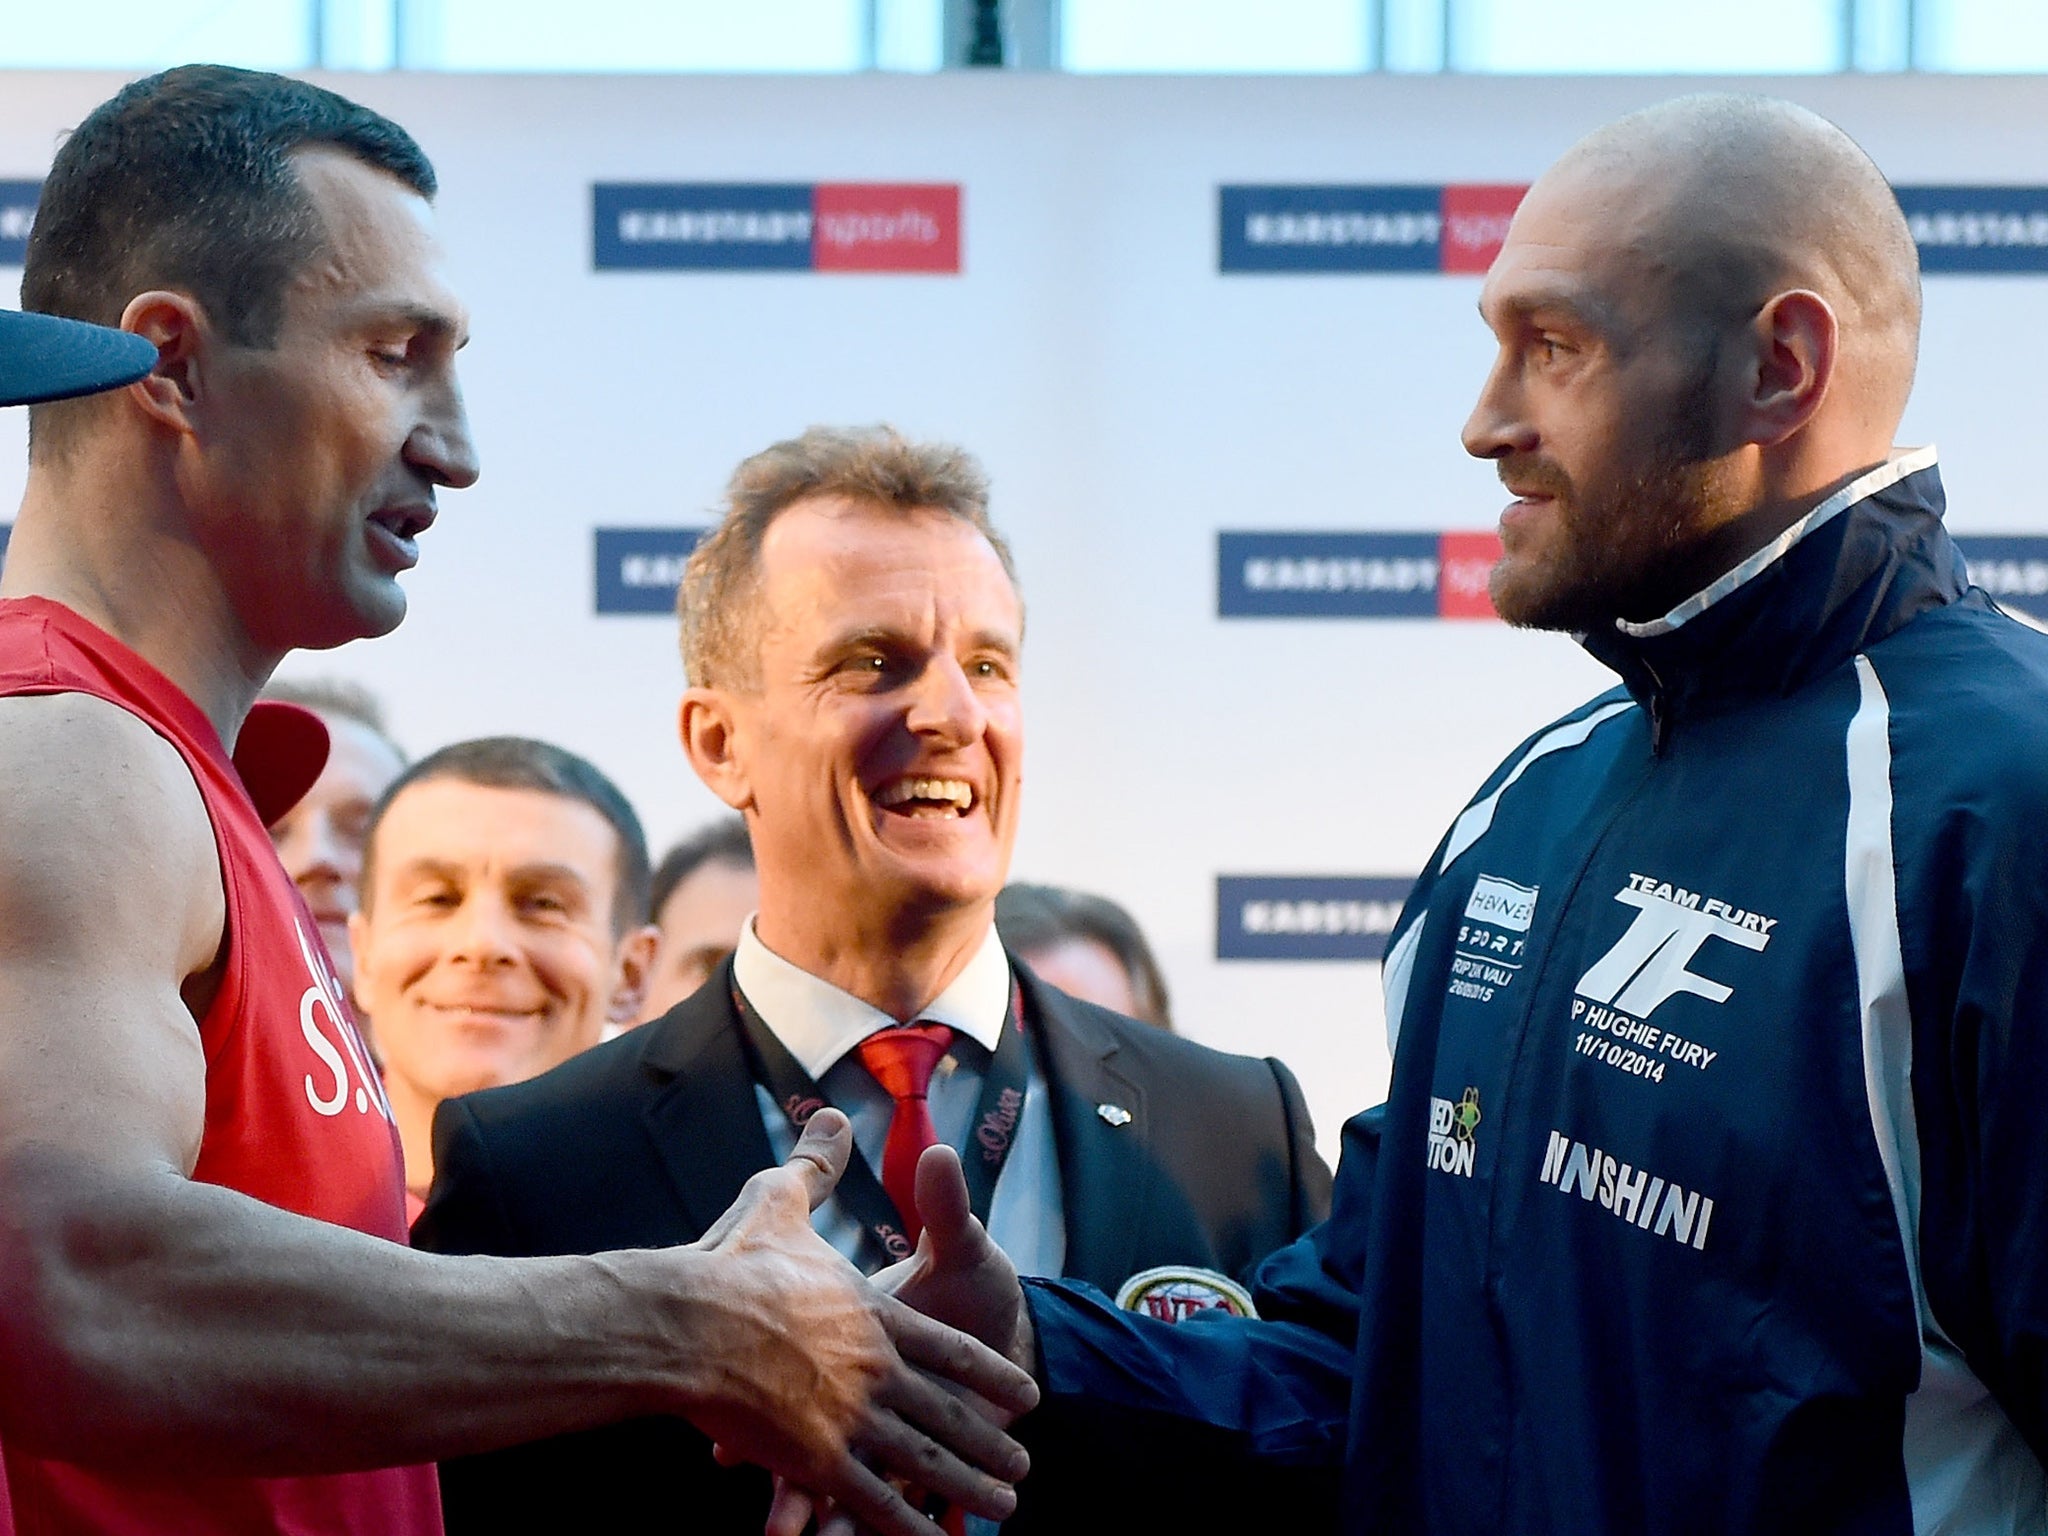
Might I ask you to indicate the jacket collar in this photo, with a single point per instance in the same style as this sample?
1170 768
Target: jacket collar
1857 567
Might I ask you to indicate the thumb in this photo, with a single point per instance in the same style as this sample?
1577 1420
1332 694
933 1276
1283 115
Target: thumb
821 1153
942 1202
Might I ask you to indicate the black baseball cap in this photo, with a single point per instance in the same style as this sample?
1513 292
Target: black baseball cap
46 357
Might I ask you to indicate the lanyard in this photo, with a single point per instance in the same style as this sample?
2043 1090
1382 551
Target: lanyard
798 1096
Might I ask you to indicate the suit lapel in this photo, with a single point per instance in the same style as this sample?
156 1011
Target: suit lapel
702 1115
1105 1169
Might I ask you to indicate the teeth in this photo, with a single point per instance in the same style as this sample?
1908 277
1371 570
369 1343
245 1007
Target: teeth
959 791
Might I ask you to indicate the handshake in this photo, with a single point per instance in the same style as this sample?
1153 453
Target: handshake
858 1392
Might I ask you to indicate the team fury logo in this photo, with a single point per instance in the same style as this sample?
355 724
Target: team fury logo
1646 968
1452 1148
323 996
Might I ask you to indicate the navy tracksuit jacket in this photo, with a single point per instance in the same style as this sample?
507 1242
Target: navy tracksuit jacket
1711 1191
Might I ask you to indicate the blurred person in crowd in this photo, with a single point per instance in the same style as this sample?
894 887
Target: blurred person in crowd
853 637
208 1314
1087 946
503 882
320 839
704 891
1709 1188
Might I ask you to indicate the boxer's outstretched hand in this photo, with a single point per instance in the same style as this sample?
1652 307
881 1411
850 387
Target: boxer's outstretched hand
805 1367
958 1277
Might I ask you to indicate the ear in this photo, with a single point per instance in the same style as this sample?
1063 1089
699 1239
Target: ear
1797 344
632 969
176 325
710 728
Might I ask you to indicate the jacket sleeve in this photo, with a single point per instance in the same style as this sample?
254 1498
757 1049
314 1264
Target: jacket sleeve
1219 1423
1974 907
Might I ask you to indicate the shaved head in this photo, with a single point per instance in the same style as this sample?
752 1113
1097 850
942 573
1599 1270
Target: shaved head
1738 198
1708 315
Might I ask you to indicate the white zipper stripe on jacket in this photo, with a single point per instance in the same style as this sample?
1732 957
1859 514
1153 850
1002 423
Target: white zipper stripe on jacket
1477 817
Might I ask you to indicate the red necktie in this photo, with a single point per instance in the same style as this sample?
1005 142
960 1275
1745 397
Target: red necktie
902 1061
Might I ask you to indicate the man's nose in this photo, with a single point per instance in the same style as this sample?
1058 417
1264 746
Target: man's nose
944 704
441 446
308 850
1499 424
482 931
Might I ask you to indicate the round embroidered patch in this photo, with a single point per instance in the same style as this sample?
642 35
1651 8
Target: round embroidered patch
1175 1292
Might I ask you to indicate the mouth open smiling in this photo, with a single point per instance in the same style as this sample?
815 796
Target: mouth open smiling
926 797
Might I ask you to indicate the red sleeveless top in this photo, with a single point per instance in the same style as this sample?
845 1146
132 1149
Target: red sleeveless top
295 1115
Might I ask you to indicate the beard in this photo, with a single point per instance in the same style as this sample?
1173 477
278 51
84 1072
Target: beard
1623 547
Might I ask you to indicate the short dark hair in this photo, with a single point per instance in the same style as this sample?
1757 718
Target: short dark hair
1036 917
184 180
519 762
724 841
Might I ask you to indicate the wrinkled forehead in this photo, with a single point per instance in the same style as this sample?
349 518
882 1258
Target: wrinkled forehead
379 249
854 560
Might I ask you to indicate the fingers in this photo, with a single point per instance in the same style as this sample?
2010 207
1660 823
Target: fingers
943 1204
790 1512
864 1500
821 1153
953 1356
936 1443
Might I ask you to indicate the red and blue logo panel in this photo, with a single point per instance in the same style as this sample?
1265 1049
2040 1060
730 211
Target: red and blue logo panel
1321 229
776 227
1344 575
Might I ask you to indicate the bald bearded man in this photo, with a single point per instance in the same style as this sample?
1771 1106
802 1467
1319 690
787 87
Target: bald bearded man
1709 1192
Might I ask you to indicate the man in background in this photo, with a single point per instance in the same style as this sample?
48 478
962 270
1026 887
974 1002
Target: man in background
320 839
208 1317
1087 946
704 891
853 636
503 882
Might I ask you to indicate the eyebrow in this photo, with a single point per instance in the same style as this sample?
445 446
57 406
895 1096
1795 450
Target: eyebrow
429 868
418 318
1584 309
997 640
884 636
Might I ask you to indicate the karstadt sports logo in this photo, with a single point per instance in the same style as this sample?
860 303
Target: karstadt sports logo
639 569
1348 575
18 201
776 226
1340 229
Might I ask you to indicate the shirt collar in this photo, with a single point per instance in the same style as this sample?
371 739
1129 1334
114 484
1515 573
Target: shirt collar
817 1023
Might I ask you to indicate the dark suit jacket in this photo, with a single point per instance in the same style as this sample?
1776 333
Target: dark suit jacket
644 1141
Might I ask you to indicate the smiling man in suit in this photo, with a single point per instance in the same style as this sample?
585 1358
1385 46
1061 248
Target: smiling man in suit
853 635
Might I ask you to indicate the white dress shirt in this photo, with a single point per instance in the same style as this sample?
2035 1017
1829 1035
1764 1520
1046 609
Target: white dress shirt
819 1026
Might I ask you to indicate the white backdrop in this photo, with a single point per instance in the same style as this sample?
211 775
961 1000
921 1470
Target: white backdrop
1129 402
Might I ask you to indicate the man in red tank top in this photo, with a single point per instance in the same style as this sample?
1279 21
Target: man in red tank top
209 1321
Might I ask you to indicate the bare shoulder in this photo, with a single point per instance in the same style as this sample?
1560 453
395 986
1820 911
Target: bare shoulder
101 823
110 900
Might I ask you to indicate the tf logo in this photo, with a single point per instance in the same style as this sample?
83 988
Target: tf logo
1453 1134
